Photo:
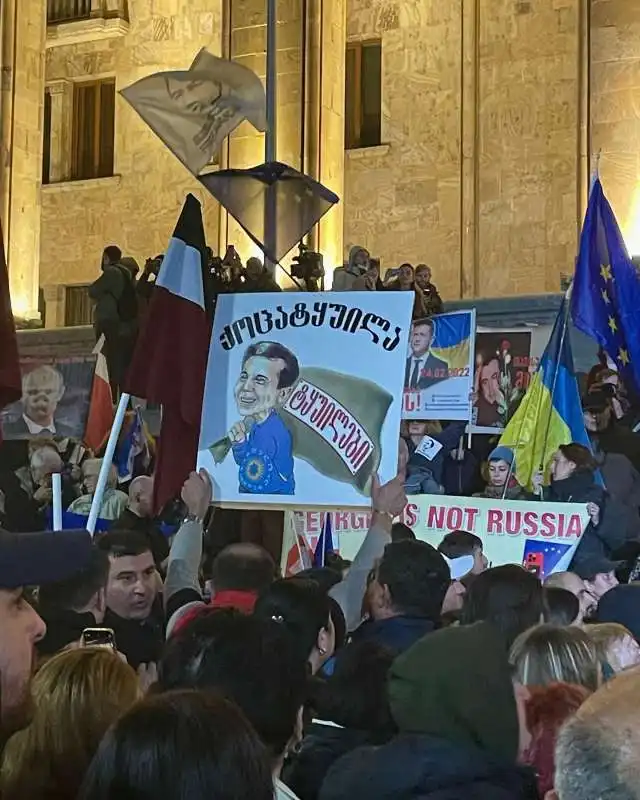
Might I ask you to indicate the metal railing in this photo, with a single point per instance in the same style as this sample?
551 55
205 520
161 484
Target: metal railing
67 10
59 11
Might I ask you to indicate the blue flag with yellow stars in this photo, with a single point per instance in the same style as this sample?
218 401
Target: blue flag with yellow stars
605 301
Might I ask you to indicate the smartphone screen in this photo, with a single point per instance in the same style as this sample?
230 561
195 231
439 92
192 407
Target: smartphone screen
98 637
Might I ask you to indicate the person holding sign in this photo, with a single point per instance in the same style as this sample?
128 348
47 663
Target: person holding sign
428 447
573 480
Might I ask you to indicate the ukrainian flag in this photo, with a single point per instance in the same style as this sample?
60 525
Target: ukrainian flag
452 338
550 413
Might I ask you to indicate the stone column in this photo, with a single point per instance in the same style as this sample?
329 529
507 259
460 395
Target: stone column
469 244
54 298
22 60
61 104
325 113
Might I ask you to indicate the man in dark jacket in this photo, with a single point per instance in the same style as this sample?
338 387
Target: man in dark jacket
116 313
406 595
70 606
461 722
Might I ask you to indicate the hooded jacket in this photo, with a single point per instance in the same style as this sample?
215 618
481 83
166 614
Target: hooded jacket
344 277
452 698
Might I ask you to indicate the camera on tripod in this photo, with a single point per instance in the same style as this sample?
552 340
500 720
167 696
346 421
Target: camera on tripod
307 265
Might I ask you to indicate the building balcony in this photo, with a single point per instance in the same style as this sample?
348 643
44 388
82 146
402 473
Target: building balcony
75 21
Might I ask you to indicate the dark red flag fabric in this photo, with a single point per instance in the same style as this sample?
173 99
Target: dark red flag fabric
10 380
170 360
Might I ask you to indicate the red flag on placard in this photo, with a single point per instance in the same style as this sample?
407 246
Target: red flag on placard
170 360
100 417
10 380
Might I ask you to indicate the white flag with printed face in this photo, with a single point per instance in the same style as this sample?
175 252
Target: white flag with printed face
192 111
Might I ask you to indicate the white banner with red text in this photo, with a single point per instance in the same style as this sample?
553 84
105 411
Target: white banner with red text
541 536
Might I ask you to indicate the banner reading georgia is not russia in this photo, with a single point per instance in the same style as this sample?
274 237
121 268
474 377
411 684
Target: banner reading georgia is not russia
438 374
302 398
540 536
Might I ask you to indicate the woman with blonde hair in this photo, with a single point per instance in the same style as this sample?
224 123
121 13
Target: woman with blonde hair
77 695
615 645
548 654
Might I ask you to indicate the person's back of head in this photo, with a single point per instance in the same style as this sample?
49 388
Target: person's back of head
561 607
508 597
183 744
82 593
111 255
460 543
77 592
550 654
597 750
548 708
355 696
413 579
615 645
456 685
401 532
305 610
242 567
253 662
77 695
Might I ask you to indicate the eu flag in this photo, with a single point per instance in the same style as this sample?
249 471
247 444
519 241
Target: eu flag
605 302
550 413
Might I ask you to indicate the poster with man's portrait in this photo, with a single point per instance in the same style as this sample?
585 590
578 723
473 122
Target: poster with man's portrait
303 397
501 377
55 398
439 367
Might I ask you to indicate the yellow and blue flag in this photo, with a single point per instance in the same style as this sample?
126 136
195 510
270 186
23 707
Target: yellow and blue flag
605 302
452 338
550 413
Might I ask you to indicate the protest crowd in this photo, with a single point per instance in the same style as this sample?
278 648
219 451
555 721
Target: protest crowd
187 651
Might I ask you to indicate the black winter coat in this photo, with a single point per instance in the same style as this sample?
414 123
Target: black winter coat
418 767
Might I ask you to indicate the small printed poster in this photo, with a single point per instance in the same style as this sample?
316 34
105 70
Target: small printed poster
55 398
303 397
439 367
503 370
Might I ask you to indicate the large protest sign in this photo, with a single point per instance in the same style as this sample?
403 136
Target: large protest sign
439 367
55 398
302 398
503 369
540 536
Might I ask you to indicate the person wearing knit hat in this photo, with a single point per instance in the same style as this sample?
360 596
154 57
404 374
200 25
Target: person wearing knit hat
501 471
461 721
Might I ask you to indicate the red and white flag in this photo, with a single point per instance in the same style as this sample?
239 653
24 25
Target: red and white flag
170 360
10 380
100 417
296 553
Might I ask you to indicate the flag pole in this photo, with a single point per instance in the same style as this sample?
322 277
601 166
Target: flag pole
270 139
107 461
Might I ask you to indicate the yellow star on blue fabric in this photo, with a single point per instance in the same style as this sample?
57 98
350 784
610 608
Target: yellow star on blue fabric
623 356
605 271
613 325
605 297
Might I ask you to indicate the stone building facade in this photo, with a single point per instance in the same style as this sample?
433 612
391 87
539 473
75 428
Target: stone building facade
489 113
